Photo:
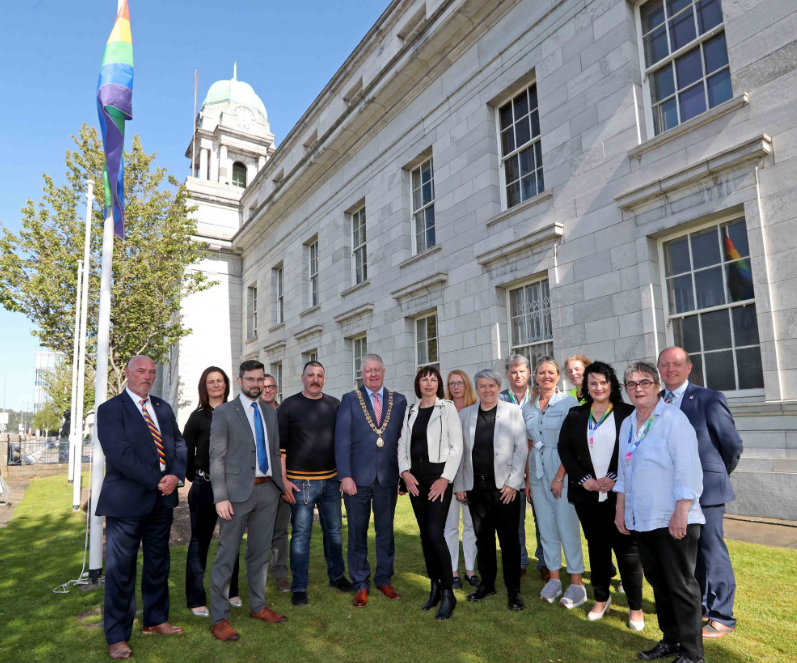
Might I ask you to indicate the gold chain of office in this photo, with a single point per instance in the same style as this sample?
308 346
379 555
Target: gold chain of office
379 441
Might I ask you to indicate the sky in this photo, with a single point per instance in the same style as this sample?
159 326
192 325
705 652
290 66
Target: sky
50 54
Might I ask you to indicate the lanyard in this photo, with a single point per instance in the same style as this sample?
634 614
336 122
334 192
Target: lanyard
592 429
513 398
633 444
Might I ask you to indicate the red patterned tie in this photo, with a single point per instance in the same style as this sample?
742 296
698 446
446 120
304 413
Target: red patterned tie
377 409
156 435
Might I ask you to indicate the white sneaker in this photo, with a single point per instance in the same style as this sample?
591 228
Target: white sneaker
236 603
595 616
552 589
635 626
201 612
575 596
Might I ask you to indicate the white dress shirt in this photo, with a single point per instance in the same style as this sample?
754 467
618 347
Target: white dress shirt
678 393
250 415
139 401
603 448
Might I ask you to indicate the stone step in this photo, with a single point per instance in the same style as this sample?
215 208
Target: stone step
767 494
787 465
754 452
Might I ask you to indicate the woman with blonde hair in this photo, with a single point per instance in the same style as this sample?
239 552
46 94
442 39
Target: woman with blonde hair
460 391
574 370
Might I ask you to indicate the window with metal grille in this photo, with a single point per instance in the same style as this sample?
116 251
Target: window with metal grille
530 329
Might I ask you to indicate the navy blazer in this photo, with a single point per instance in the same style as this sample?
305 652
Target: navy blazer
356 453
719 443
132 468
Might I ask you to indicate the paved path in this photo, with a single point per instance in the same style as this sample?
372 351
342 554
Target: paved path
18 487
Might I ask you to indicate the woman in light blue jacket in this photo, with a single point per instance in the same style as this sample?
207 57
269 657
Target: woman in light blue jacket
556 517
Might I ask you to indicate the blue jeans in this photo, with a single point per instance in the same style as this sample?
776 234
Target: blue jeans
325 493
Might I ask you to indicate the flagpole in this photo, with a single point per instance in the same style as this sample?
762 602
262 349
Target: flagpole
73 403
193 135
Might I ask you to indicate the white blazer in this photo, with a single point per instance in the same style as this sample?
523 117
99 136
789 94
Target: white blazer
443 438
509 442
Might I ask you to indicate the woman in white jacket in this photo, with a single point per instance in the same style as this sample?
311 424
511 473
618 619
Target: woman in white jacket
429 452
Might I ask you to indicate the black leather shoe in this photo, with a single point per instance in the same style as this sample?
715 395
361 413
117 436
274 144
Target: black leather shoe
447 605
342 584
661 650
434 597
482 592
514 602
456 582
683 658
299 599
474 580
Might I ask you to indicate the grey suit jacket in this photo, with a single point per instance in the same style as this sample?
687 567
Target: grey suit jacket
509 442
232 451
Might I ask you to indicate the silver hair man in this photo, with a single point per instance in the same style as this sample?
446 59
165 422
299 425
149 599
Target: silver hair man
514 360
371 357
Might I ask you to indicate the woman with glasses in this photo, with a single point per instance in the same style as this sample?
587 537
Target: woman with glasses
659 483
214 389
545 478
459 390
589 449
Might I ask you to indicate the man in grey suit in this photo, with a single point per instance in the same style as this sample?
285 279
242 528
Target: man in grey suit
246 476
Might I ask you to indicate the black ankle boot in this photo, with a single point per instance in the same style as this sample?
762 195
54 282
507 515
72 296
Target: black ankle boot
447 605
434 596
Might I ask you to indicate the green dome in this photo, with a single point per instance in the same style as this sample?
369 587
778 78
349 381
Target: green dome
235 91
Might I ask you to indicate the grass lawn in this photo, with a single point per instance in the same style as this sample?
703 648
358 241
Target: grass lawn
42 548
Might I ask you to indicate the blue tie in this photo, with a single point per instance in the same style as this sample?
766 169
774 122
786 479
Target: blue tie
670 397
260 441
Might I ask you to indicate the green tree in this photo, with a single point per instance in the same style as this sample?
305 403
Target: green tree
152 266
47 420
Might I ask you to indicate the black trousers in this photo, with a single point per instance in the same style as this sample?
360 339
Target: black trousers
123 537
597 521
203 522
669 566
491 516
431 517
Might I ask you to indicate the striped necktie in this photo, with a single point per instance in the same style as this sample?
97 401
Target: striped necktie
156 434
670 397
377 408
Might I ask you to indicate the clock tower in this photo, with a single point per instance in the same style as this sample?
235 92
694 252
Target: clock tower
231 143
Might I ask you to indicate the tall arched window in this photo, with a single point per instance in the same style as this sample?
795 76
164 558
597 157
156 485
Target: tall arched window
239 174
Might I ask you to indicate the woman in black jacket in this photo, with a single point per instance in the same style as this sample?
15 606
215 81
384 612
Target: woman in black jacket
589 450
214 389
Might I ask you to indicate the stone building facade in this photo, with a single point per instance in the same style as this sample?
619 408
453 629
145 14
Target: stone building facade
603 177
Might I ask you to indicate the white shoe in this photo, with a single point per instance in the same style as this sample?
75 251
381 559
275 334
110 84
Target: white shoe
635 626
595 616
201 612
236 603
552 589
575 596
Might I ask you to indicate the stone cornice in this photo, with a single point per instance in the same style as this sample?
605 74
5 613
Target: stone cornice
547 234
420 256
439 278
303 334
751 150
275 347
531 202
356 312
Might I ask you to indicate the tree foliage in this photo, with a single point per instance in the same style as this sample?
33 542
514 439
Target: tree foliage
152 266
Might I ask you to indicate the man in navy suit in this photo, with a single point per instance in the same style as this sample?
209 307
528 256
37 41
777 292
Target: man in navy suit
367 431
720 448
145 457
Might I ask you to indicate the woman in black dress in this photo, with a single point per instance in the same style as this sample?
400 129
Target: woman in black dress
214 389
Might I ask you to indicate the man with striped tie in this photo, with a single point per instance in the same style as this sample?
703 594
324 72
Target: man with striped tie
145 457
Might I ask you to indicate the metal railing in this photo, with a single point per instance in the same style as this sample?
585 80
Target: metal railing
49 451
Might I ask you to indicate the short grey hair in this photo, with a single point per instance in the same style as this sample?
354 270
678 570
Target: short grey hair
371 357
514 360
642 367
488 374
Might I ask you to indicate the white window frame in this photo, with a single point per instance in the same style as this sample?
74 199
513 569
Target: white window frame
279 276
359 219
437 364
668 318
312 273
647 71
276 371
251 318
503 159
357 358
514 347
422 209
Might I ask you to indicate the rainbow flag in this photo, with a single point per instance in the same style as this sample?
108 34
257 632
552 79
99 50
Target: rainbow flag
740 276
114 106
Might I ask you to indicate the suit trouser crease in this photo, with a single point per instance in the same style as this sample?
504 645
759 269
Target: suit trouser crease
358 511
557 523
468 536
203 515
124 536
324 493
259 513
669 567
491 516
603 537
714 571
431 517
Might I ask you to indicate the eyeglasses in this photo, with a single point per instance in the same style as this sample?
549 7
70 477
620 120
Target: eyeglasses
258 380
456 385
270 386
645 384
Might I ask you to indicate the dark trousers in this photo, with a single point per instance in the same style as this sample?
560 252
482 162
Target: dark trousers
669 566
279 545
203 523
123 537
358 512
714 571
491 516
597 521
431 517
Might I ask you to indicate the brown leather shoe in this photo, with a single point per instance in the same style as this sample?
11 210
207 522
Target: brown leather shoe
119 651
268 615
388 591
224 631
164 629
716 630
361 598
545 573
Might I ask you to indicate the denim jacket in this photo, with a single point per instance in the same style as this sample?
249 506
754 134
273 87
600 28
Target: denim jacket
543 429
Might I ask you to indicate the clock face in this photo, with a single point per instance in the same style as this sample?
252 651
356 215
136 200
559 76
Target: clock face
244 117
